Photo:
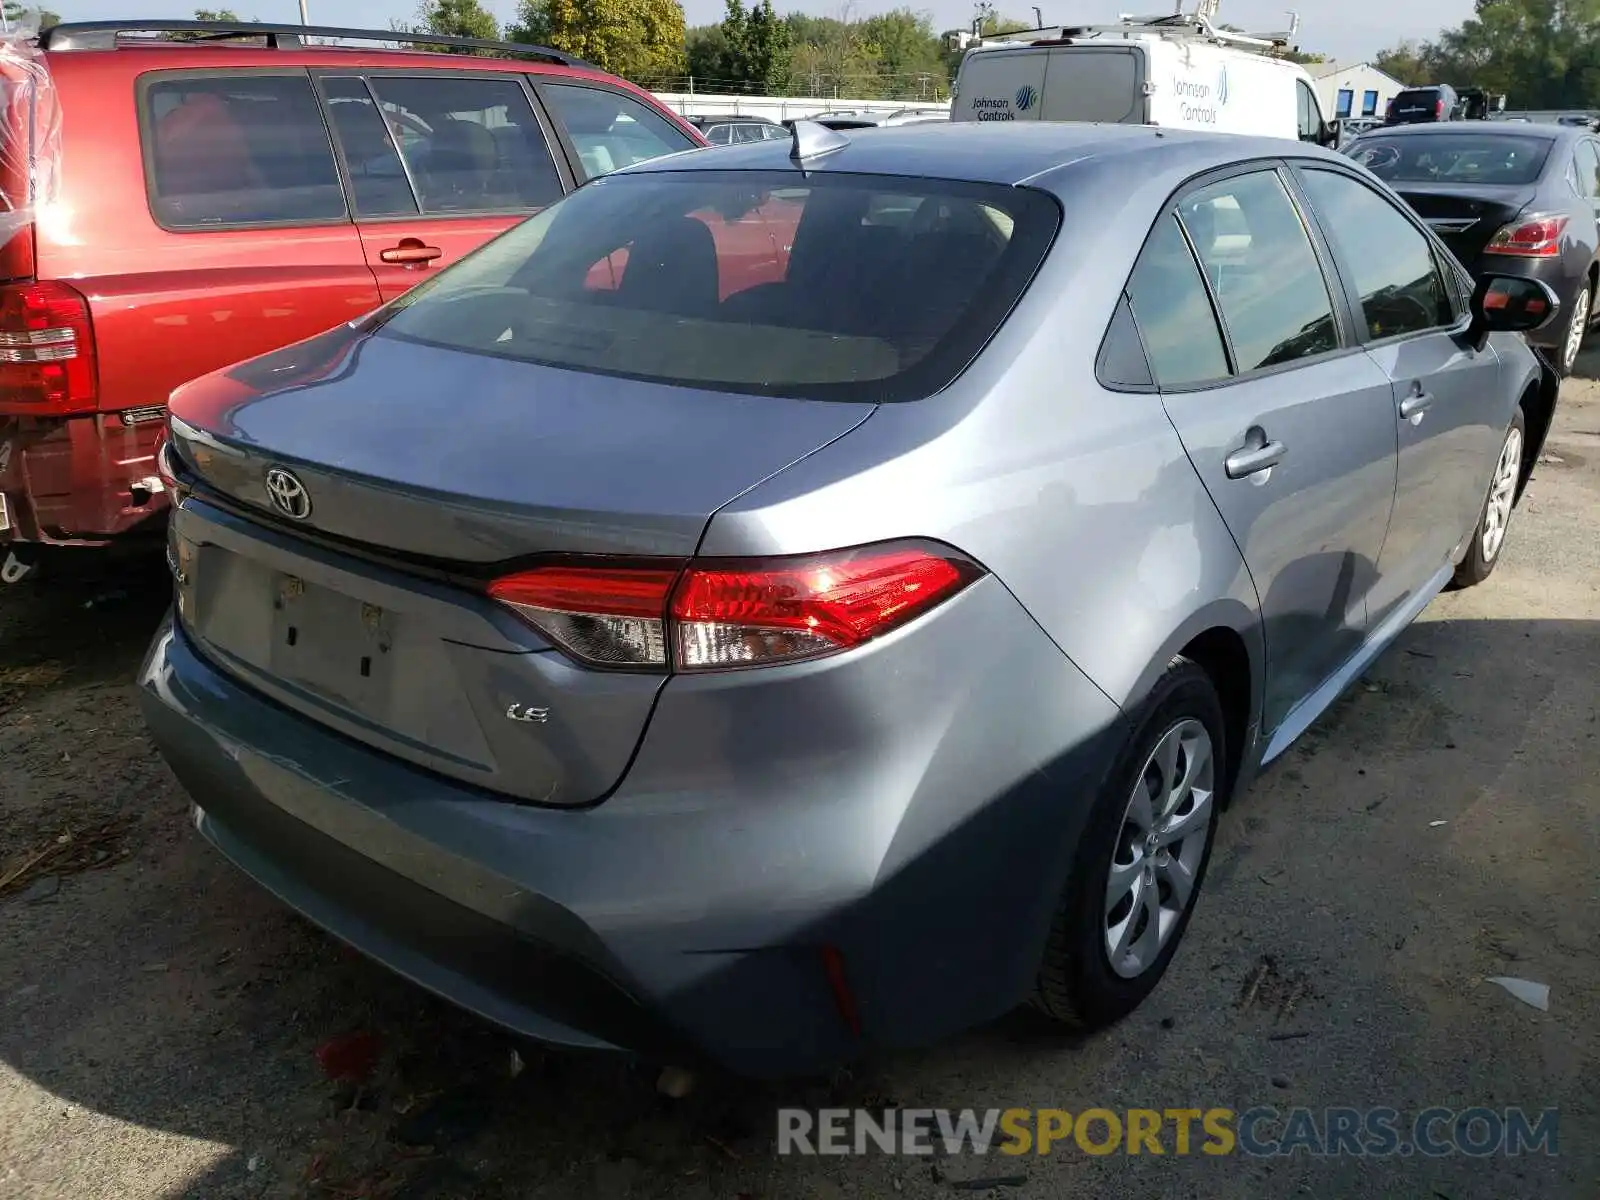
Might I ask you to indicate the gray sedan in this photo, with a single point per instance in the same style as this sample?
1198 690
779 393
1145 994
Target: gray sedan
1508 199
805 599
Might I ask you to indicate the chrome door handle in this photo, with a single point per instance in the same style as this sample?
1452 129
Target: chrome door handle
1415 404
1254 459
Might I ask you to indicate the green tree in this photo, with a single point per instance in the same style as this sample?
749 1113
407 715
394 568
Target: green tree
706 51
641 40
1539 53
207 14
767 48
455 18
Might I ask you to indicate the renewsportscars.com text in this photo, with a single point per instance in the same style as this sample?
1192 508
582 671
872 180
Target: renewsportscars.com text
1262 1131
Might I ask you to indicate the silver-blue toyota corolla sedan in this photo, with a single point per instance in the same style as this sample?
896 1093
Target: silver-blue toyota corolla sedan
802 598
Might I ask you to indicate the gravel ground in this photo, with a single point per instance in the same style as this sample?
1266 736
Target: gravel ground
160 1016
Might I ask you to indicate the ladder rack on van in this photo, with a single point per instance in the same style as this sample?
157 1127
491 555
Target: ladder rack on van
106 35
1174 26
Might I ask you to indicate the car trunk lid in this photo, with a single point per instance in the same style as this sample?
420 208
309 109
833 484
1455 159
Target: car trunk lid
1466 219
369 612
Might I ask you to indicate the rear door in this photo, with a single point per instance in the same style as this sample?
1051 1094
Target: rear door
1447 401
250 246
437 164
1094 83
1289 426
1000 85
1586 169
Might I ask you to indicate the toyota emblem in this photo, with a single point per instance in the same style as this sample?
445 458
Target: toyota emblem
288 494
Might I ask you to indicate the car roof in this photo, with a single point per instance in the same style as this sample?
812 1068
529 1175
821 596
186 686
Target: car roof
976 152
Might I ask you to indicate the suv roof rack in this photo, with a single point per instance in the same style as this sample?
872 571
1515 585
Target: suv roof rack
104 35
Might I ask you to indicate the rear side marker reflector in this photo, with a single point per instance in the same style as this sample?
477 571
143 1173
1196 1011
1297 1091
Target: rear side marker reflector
715 614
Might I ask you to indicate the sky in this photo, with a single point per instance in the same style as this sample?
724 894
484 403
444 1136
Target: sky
1350 31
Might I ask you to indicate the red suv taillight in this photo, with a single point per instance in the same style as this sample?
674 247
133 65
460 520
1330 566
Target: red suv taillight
1531 237
719 613
46 350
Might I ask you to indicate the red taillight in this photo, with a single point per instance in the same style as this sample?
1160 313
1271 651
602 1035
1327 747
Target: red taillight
46 349
1438 109
715 614
1532 237
608 616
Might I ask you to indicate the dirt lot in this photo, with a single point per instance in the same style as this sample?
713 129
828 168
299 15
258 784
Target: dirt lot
160 1016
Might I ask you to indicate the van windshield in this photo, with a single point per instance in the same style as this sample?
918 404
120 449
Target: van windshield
833 287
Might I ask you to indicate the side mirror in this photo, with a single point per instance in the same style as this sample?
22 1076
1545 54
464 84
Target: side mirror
1510 304
1328 134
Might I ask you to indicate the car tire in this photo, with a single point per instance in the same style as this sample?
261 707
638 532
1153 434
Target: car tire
1082 982
1578 322
1489 535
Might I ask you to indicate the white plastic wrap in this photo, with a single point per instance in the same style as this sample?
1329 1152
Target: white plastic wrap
30 127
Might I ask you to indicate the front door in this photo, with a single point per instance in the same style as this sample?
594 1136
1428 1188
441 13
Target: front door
437 165
1445 394
1289 427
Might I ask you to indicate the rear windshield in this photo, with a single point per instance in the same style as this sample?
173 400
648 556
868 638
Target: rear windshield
834 287
1452 158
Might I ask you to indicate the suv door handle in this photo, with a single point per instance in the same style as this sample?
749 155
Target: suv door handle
1254 457
1415 404
411 252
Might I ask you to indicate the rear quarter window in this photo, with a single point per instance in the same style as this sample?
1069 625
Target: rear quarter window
237 150
838 287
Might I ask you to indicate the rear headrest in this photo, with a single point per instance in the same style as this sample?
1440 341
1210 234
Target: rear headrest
201 149
462 146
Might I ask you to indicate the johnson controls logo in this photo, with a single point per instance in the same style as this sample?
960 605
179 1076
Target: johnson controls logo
1199 103
1025 98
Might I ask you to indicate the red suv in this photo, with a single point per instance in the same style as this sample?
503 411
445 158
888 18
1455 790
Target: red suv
173 206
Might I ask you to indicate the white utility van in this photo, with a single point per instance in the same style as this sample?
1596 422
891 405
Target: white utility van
1177 71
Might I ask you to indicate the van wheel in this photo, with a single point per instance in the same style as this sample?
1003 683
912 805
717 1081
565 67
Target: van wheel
1489 538
1138 868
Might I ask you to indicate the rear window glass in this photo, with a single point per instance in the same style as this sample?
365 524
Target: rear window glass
842 287
1452 157
238 151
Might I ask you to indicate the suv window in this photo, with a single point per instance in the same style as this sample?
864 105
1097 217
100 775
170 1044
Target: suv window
609 130
1266 277
244 150
1310 115
1173 312
857 312
1390 259
470 145
379 184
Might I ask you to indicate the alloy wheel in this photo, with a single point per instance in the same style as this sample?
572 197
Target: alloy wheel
1502 494
1160 848
1576 330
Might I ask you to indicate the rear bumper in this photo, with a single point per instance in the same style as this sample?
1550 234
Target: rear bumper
80 481
685 916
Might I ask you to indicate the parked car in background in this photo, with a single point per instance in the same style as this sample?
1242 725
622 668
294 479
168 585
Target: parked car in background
1508 199
1350 128
649 665
207 201
1421 105
725 129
